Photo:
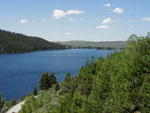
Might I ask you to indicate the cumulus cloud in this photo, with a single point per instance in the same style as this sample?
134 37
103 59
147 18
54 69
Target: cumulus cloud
23 21
107 21
103 27
118 10
67 33
107 5
146 19
57 14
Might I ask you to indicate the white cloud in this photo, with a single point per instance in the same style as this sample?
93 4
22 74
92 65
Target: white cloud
57 14
118 10
71 12
23 21
107 5
67 33
103 27
146 19
107 21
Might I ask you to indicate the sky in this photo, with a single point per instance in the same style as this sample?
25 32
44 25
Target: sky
64 20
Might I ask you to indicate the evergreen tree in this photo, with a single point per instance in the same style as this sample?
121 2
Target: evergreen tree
66 85
148 35
35 92
68 77
57 87
119 83
45 82
52 79
19 43
2 101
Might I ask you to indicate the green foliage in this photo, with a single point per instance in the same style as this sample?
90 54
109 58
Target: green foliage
70 103
19 43
148 35
31 104
98 45
10 103
2 101
35 92
119 83
53 80
47 81
44 102
66 85
5 105
57 87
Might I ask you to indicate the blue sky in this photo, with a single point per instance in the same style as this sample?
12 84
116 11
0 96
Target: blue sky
62 20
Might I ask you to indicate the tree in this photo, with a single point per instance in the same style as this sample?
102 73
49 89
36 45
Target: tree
19 43
2 101
57 87
45 82
68 77
52 79
119 83
148 35
35 92
66 84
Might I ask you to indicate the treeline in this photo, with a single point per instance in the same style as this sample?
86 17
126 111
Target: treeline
98 48
119 83
108 45
19 43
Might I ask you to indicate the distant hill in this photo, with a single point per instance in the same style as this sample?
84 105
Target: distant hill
119 83
99 45
19 43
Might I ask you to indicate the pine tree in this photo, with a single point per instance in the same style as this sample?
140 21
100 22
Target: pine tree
57 87
35 92
52 79
45 82
68 77
66 84
1 102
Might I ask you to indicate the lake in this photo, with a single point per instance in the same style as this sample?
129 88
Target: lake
20 73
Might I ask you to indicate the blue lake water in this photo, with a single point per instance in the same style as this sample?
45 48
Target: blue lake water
20 73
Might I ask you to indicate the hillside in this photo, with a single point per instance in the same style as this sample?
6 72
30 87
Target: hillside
99 45
19 43
119 83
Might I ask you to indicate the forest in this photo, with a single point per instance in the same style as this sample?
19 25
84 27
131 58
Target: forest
108 45
11 42
119 83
